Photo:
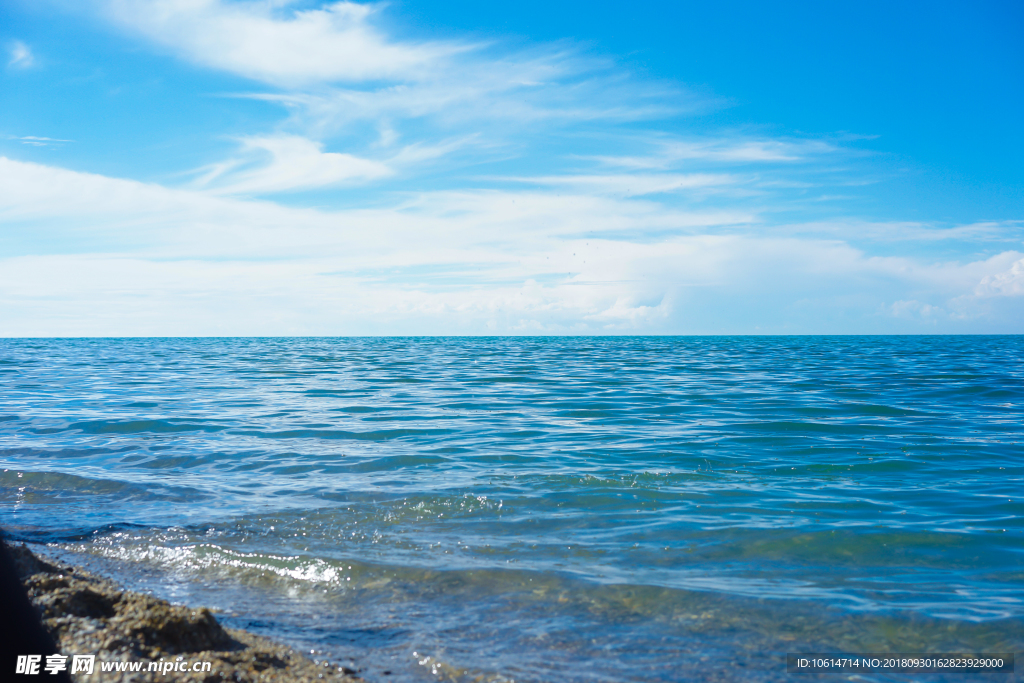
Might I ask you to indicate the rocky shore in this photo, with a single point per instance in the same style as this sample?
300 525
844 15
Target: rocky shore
89 615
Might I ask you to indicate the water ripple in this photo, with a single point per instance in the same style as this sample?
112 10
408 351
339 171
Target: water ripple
845 480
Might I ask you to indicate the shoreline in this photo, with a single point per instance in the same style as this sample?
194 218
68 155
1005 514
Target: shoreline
90 615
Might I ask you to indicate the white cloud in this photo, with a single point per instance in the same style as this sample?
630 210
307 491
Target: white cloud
554 86
646 232
338 75
910 231
164 261
336 43
36 141
288 163
335 69
1009 282
20 56
635 184
419 152
915 309
668 152
202 223
282 163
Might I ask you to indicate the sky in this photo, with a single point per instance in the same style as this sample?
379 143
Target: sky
293 167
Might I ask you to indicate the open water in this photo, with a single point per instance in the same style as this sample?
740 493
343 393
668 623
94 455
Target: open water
539 509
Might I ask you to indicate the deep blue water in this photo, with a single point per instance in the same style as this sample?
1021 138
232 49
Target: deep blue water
539 509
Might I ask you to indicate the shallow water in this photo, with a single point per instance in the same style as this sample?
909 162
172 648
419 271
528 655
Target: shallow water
572 509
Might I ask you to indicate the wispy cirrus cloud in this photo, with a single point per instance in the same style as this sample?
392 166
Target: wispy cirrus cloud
332 67
21 56
279 163
268 42
636 184
922 233
283 163
664 151
392 102
37 141
553 86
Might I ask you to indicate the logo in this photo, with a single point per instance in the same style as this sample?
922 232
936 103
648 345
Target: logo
29 665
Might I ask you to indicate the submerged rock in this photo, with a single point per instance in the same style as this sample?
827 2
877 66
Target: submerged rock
88 615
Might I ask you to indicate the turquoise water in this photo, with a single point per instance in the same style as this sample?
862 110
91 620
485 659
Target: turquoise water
539 509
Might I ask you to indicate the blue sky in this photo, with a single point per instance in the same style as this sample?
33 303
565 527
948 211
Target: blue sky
222 167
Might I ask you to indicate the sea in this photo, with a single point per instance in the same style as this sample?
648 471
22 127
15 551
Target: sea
563 509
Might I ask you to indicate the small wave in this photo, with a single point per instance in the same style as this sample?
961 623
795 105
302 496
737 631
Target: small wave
379 435
141 427
62 453
842 426
393 462
41 488
65 535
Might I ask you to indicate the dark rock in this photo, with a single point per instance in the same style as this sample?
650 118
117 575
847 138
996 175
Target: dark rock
171 629
90 615
26 564
60 597
21 630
